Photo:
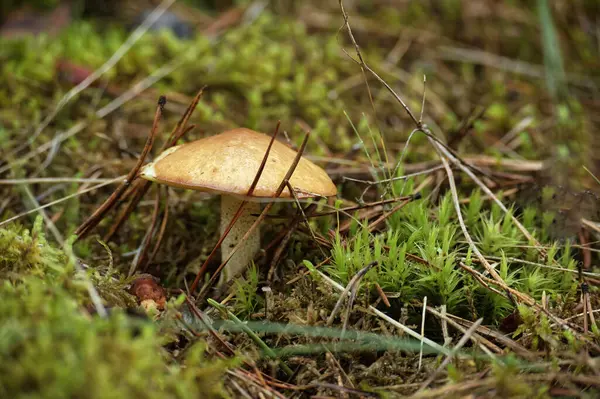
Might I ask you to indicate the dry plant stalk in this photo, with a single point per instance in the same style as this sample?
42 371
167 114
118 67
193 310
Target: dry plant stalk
99 214
141 187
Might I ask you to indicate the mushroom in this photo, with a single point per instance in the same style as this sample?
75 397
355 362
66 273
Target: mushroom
149 292
227 164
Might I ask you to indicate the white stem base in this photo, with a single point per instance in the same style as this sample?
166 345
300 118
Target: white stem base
245 253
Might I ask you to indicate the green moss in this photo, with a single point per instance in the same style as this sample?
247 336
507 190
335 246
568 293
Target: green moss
435 236
50 346
23 251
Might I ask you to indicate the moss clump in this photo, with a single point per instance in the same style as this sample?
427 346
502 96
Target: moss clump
434 235
268 70
23 251
51 347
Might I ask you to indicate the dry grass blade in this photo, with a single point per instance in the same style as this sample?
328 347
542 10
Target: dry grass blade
58 201
449 357
101 113
485 345
141 187
496 335
461 221
352 289
387 318
487 191
423 314
50 180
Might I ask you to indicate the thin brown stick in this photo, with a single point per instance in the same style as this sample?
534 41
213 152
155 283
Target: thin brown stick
386 215
138 191
590 309
292 226
382 295
140 259
182 123
303 214
181 134
584 295
97 216
202 318
161 231
467 335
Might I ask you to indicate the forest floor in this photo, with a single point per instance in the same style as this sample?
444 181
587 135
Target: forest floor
460 256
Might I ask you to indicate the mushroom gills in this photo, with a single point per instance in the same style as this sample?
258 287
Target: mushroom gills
245 253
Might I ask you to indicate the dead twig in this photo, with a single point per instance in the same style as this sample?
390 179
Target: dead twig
97 216
140 258
161 231
139 190
292 227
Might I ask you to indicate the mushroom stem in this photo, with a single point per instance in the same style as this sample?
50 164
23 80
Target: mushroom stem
246 251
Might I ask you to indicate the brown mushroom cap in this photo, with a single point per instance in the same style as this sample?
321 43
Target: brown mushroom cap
228 162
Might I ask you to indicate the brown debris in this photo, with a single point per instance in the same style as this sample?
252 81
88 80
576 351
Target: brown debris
146 289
